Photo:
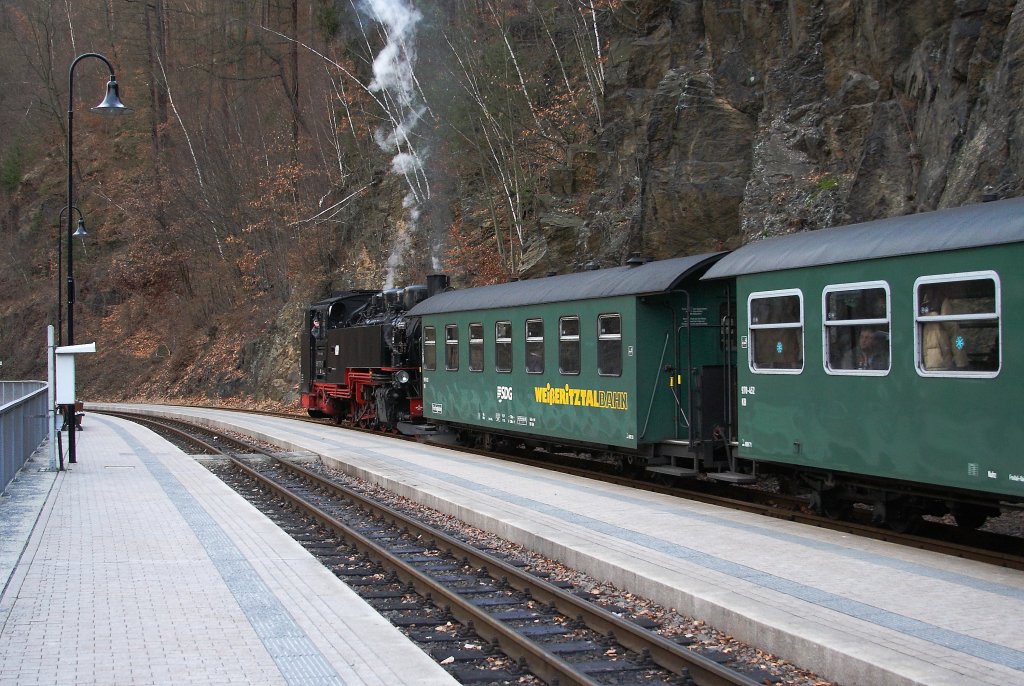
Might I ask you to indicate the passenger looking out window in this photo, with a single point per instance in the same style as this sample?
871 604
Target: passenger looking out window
857 328
872 350
958 324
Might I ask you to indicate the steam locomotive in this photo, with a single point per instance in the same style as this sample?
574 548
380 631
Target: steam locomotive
361 356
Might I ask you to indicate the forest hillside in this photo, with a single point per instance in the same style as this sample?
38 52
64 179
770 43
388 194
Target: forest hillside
282 149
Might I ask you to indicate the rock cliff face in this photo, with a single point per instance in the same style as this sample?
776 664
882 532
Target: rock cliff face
732 119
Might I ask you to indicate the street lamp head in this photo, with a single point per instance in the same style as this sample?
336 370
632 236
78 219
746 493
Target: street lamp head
112 103
80 231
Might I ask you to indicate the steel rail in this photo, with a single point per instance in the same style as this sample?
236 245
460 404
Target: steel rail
544 664
663 652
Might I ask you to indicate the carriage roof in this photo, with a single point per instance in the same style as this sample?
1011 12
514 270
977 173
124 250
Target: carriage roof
652 277
970 226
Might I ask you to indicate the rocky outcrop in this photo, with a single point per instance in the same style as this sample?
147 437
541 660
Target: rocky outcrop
734 120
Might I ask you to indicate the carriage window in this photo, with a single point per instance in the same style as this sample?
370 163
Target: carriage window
429 348
569 345
856 320
503 346
534 346
451 347
609 345
776 332
958 324
476 347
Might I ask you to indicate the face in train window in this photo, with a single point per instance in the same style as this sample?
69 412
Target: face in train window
776 332
856 318
958 325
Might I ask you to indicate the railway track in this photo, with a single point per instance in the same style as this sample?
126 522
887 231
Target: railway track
510 620
969 544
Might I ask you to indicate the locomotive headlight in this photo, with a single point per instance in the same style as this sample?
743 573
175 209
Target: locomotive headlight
402 377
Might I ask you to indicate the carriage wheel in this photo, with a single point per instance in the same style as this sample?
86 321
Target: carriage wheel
903 515
972 516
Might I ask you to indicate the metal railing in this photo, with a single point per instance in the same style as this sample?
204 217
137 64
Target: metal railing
23 424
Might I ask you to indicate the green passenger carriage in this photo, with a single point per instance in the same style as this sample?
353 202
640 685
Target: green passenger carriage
888 350
631 363
875 363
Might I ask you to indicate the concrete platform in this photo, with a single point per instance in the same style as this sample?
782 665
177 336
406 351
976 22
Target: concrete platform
856 611
138 566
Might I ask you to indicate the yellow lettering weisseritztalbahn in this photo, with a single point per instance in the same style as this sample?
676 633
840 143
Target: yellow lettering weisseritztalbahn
581 397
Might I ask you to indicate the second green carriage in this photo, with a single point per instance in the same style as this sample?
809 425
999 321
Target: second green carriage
880 361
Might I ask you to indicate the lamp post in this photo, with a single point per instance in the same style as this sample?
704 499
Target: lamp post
111 105
80 231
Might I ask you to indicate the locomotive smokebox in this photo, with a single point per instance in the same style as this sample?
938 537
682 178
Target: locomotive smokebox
437 283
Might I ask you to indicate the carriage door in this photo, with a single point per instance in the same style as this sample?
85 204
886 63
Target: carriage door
711 343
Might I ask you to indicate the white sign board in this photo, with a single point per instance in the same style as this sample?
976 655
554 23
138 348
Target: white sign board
66 370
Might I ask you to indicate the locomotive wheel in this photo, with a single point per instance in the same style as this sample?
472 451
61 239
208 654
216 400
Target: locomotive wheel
315 414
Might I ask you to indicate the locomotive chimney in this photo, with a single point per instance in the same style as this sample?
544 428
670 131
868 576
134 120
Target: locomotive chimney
437 283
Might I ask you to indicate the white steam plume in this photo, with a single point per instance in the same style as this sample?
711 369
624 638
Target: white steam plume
395 80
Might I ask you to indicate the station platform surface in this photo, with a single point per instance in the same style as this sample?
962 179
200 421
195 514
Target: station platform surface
857 611
136 565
